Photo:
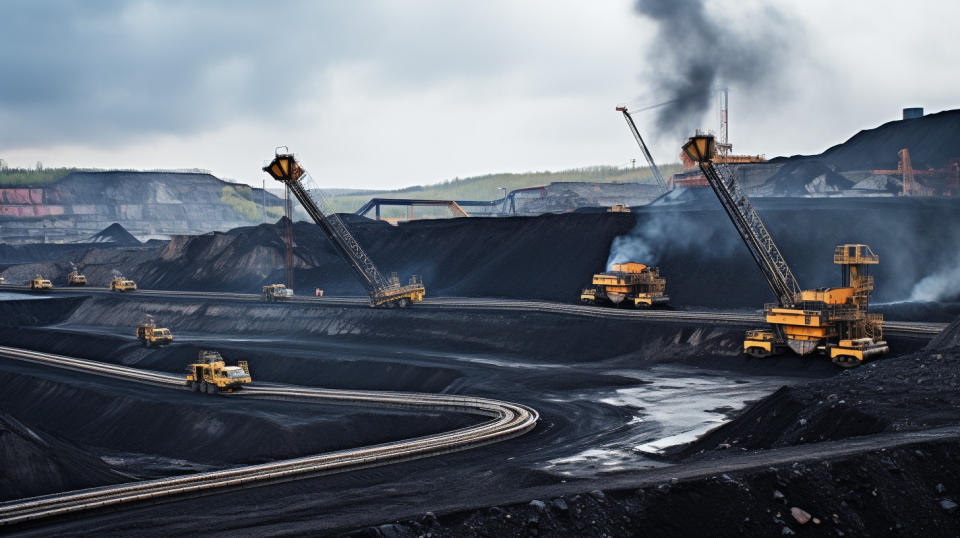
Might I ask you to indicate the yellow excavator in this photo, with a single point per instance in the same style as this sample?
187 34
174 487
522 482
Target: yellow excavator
388 292
211 375
832 321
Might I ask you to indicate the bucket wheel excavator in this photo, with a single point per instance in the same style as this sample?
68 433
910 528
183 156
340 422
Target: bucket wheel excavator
832 321
388 292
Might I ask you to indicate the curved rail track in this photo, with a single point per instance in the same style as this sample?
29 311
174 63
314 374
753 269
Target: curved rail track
504 420
899 328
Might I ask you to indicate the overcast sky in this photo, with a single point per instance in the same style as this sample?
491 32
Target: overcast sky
382 94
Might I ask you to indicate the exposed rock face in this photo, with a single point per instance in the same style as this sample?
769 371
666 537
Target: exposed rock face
148 204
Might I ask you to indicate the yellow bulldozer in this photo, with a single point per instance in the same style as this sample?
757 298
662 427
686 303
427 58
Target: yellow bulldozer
211 375
40 283
631 283
150 335
119 283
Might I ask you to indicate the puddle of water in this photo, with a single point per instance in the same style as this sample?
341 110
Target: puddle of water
675 405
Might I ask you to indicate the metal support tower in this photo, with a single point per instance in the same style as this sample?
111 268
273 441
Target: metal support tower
382 291
643 148
288 237
702 149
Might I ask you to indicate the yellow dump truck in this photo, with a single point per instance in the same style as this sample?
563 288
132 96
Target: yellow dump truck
276 292
74 278
150 335
122 284
211 375
630 283
40 283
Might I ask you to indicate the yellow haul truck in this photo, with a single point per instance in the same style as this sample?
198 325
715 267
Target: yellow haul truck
75 278
122 284
150 335
629 283
40 283
211 375
276 292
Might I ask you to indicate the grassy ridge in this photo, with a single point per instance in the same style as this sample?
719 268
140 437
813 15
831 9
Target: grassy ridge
487 187
24 177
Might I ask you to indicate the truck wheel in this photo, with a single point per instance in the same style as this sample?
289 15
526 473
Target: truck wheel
846 361
194 386
211 389
203 386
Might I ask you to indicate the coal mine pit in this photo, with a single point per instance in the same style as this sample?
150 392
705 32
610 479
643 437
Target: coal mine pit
611 408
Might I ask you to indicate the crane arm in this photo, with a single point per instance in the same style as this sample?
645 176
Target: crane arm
702 149
643 147
286 169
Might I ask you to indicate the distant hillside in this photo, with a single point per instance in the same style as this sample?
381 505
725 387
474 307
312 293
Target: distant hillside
487 187
147 204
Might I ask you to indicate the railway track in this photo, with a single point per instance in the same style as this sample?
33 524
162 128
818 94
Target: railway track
503 420
897 328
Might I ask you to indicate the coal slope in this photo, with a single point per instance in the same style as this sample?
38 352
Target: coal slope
930 139
916 391
38 462
552 256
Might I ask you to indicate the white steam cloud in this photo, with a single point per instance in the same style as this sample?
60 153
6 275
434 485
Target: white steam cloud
657 234
940 286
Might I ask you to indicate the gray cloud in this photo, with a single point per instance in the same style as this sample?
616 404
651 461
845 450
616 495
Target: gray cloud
107 71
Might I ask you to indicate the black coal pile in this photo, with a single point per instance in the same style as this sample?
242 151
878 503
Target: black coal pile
803 177
116 235
932 141
909 491
911 392
38 463
552 256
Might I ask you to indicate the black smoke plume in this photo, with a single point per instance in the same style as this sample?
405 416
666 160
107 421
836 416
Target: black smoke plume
695 52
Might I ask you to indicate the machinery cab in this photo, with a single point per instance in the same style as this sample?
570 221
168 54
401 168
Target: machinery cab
75 278
211 375
119 283
276 292
40 283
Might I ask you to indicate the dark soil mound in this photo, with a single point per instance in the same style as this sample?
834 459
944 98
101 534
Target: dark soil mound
116 235
909 491
932 141
553 256
38 463
805 177
911 392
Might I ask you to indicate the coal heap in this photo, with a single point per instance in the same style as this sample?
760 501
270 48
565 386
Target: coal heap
115 234
45 463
